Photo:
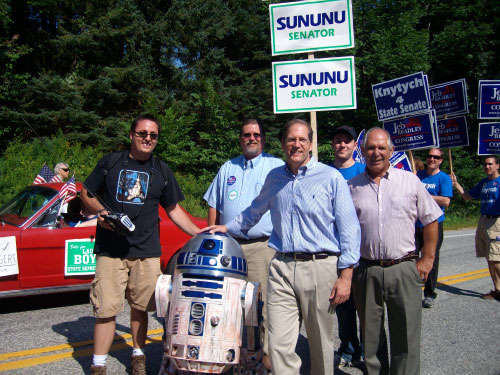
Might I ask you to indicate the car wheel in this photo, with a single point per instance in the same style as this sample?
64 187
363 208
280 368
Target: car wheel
170 268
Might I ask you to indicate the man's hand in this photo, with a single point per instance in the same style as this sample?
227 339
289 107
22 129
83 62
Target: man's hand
424 266
214 228
342 288
101 221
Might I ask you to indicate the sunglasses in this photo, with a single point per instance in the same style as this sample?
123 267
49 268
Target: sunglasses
434 157
65 169
248 135
144 135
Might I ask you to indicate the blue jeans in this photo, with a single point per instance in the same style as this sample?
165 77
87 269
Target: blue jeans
350 348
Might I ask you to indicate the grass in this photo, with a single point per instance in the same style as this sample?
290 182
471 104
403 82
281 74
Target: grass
454 222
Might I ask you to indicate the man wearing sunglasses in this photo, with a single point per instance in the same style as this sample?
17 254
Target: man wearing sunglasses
440 187
132 182
237 183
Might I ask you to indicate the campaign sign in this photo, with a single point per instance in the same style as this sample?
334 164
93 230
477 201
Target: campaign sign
413 132
314 85
79 257
449 98
308 26
489 100
489 138
453 132
397 160
402 96
8 256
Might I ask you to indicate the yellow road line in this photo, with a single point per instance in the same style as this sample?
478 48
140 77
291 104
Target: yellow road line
125 340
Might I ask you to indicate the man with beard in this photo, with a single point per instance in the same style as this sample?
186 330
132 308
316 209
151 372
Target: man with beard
237 183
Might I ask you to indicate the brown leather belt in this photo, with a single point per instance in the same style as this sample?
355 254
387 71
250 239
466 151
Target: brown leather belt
391 262
308 256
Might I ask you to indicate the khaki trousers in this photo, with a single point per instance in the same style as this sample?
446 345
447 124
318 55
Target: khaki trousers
259 255
299 291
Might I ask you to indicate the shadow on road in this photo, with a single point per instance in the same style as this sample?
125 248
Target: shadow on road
458 291
29 303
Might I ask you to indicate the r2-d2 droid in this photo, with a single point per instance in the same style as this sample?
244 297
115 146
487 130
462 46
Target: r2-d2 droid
212 313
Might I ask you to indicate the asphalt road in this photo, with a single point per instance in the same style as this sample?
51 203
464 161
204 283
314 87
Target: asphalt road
461 335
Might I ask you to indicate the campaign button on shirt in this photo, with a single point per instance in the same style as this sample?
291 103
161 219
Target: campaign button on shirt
231 180
232 195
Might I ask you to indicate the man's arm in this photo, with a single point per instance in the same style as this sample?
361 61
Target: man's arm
424 264
441 201
95 207
342 287
181 219
213 216
465 195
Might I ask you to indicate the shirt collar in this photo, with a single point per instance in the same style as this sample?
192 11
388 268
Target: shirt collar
388 174
252 163
305 168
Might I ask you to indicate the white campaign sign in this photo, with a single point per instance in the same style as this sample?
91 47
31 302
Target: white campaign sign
314 85
8 256
309 26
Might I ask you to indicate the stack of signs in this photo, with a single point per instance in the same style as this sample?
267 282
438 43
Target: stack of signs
398 158
489 109
449 100
404 106
312 85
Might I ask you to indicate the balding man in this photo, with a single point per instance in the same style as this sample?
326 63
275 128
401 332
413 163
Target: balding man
388 202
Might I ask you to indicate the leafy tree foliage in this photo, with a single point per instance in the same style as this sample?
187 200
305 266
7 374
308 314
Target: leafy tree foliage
83 69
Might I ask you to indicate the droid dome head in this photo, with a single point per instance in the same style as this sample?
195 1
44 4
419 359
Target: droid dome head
216 255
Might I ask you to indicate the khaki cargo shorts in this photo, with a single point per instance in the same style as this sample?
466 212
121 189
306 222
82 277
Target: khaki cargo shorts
114 277
488 239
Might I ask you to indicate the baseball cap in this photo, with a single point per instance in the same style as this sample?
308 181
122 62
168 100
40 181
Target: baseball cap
345 129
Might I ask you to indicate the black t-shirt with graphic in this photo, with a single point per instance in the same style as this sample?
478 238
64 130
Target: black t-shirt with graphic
134 189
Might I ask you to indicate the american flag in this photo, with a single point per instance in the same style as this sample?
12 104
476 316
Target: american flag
68 191
44 175
56 178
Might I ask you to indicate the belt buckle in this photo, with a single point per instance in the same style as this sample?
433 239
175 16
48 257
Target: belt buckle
387 263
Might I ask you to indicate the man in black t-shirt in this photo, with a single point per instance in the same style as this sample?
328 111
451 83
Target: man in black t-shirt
132 182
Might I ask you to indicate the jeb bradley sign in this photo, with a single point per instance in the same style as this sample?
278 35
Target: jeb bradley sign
453 132
449 98
308 26
489 138
314 85
489 100
402 96
413 132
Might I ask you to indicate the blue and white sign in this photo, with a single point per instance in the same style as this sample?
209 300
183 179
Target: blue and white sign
309 26
413 132
401 97
314 85
489 138
450 98
453 132
489 100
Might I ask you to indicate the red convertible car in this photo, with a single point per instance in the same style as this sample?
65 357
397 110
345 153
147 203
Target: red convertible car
33 229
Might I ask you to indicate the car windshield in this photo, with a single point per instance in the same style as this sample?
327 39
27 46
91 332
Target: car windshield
24 205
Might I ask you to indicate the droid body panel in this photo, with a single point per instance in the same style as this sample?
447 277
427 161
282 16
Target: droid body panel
212 311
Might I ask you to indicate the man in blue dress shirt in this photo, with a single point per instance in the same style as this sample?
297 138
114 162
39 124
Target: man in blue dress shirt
440 187
316 236
488 228
237 183
350 350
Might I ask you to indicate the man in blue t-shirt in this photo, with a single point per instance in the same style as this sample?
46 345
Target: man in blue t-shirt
350 350
488 227
440 187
